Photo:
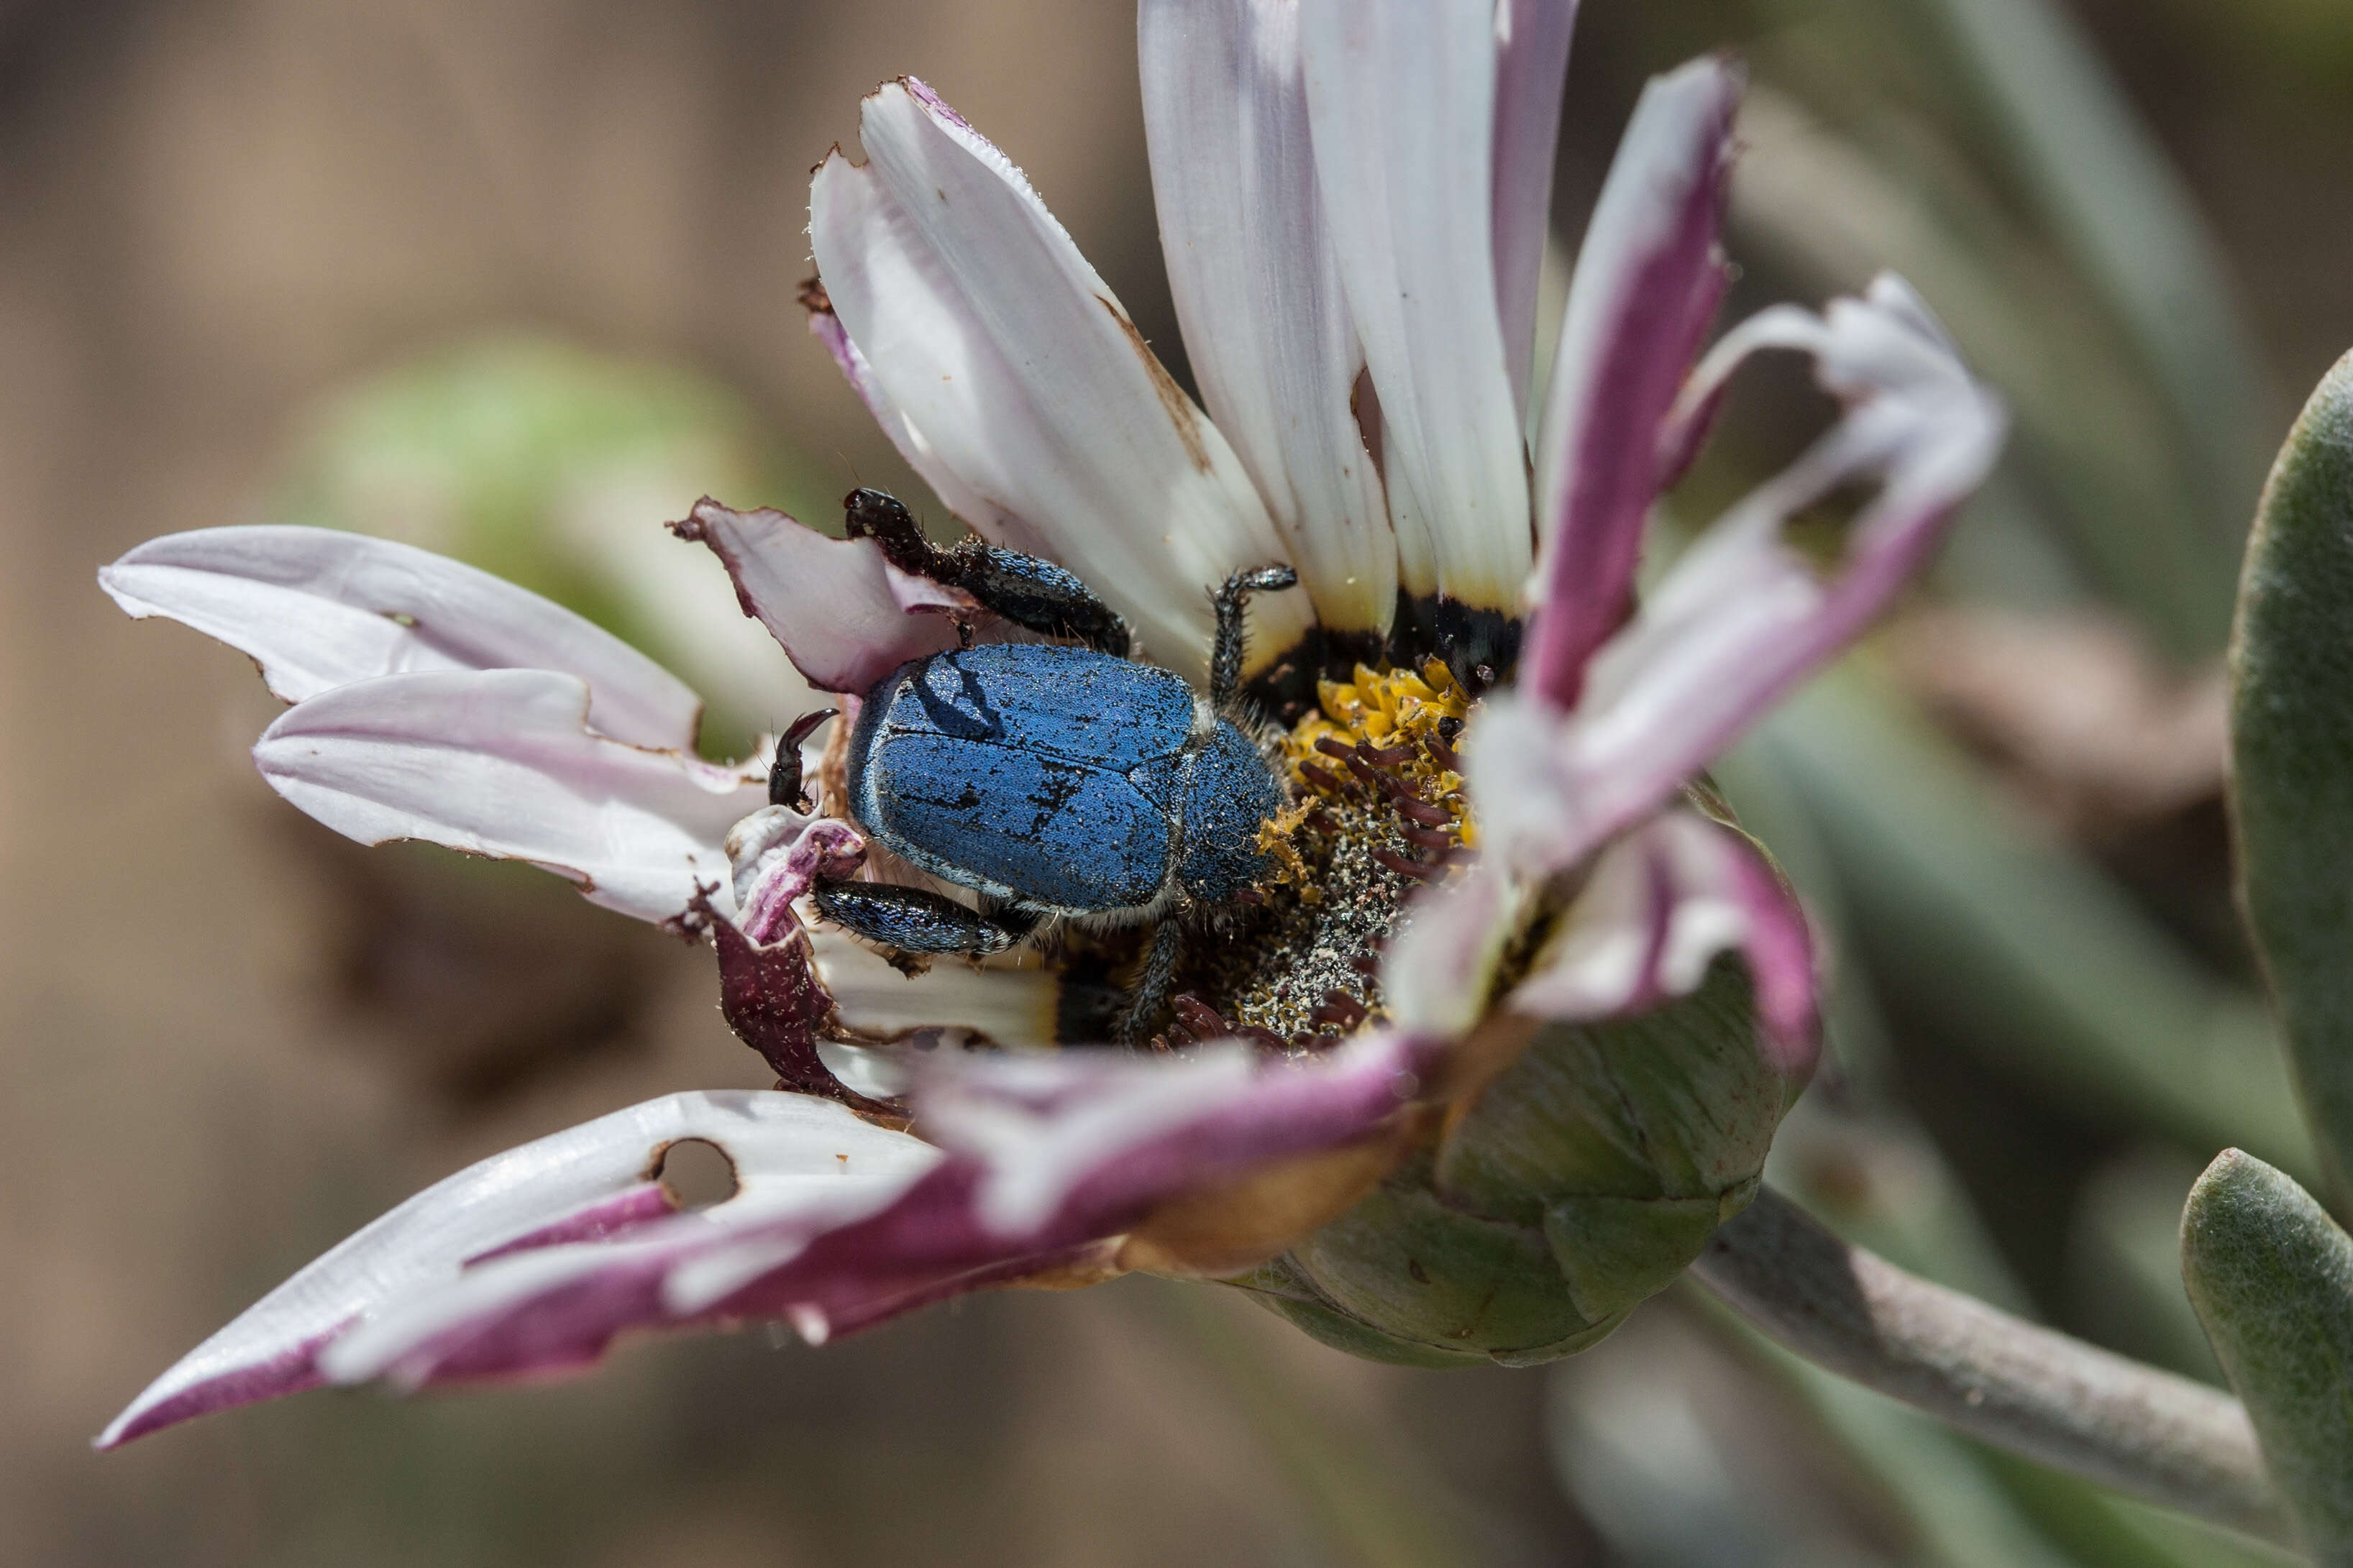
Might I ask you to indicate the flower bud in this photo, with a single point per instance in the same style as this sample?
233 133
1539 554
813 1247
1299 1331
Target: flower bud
1582 1179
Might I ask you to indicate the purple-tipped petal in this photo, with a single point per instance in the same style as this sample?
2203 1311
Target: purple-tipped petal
1257 287
1648 281
1660 903
318 608
501 763
590 1180
845 617
1532 39
1401 100
1050 1161
1741 617
1010 361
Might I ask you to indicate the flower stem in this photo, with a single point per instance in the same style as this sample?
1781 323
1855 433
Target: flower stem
1999 1378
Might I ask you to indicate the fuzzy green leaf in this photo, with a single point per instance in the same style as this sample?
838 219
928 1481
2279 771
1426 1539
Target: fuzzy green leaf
2272 1278
2292 745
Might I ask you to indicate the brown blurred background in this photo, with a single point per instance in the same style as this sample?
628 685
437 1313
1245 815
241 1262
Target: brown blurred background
230 1038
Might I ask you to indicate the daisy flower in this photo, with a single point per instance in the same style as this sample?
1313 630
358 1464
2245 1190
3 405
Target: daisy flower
1503 1020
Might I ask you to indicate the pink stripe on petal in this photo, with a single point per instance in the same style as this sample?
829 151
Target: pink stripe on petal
845 617
600 1221
1648 282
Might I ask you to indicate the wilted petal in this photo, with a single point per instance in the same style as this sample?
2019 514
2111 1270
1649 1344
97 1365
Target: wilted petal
1402 98
1741 617
1532 40
1647 282
1010 361
1659 905
590 1180
319 608
845 617
500 762
1258 291
1050 1161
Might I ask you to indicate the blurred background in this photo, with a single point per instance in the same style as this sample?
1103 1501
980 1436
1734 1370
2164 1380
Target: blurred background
515 281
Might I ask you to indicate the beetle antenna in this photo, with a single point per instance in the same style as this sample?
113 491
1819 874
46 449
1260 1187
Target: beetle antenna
1232 640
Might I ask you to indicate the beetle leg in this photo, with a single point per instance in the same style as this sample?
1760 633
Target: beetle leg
1226 653
913 920
785 772
1023 589
1159 974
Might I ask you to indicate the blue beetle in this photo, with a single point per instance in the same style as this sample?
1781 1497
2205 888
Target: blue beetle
1058 782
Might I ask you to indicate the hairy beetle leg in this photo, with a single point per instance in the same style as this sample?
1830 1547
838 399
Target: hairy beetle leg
913 919
1031 593
1159 973
1233 640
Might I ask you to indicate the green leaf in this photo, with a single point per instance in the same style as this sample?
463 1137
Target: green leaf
2292 754
2272 1278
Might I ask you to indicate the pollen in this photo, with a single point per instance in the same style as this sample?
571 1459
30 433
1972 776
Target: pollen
1378 812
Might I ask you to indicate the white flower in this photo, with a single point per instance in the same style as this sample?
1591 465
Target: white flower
1352 196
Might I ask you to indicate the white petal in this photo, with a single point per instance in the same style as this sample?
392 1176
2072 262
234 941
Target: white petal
1011 1001
500 763
319 608
847 616
1401 94
1438 969
1257 287
1011 363
1531 48
775 1141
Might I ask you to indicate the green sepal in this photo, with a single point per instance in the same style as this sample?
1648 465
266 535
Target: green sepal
1424 1272
1677 1103
1616 1253
2272 1278
1583 1180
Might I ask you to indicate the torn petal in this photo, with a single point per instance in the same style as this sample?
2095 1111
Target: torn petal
318 608
847 616
1010 361
1648 281
501 763
775 1141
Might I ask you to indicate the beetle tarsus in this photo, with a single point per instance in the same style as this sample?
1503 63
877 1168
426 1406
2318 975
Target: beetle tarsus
914 919
785 771
1233 640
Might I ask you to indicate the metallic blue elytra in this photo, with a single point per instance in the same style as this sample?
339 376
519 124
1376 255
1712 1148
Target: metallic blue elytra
1060 779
